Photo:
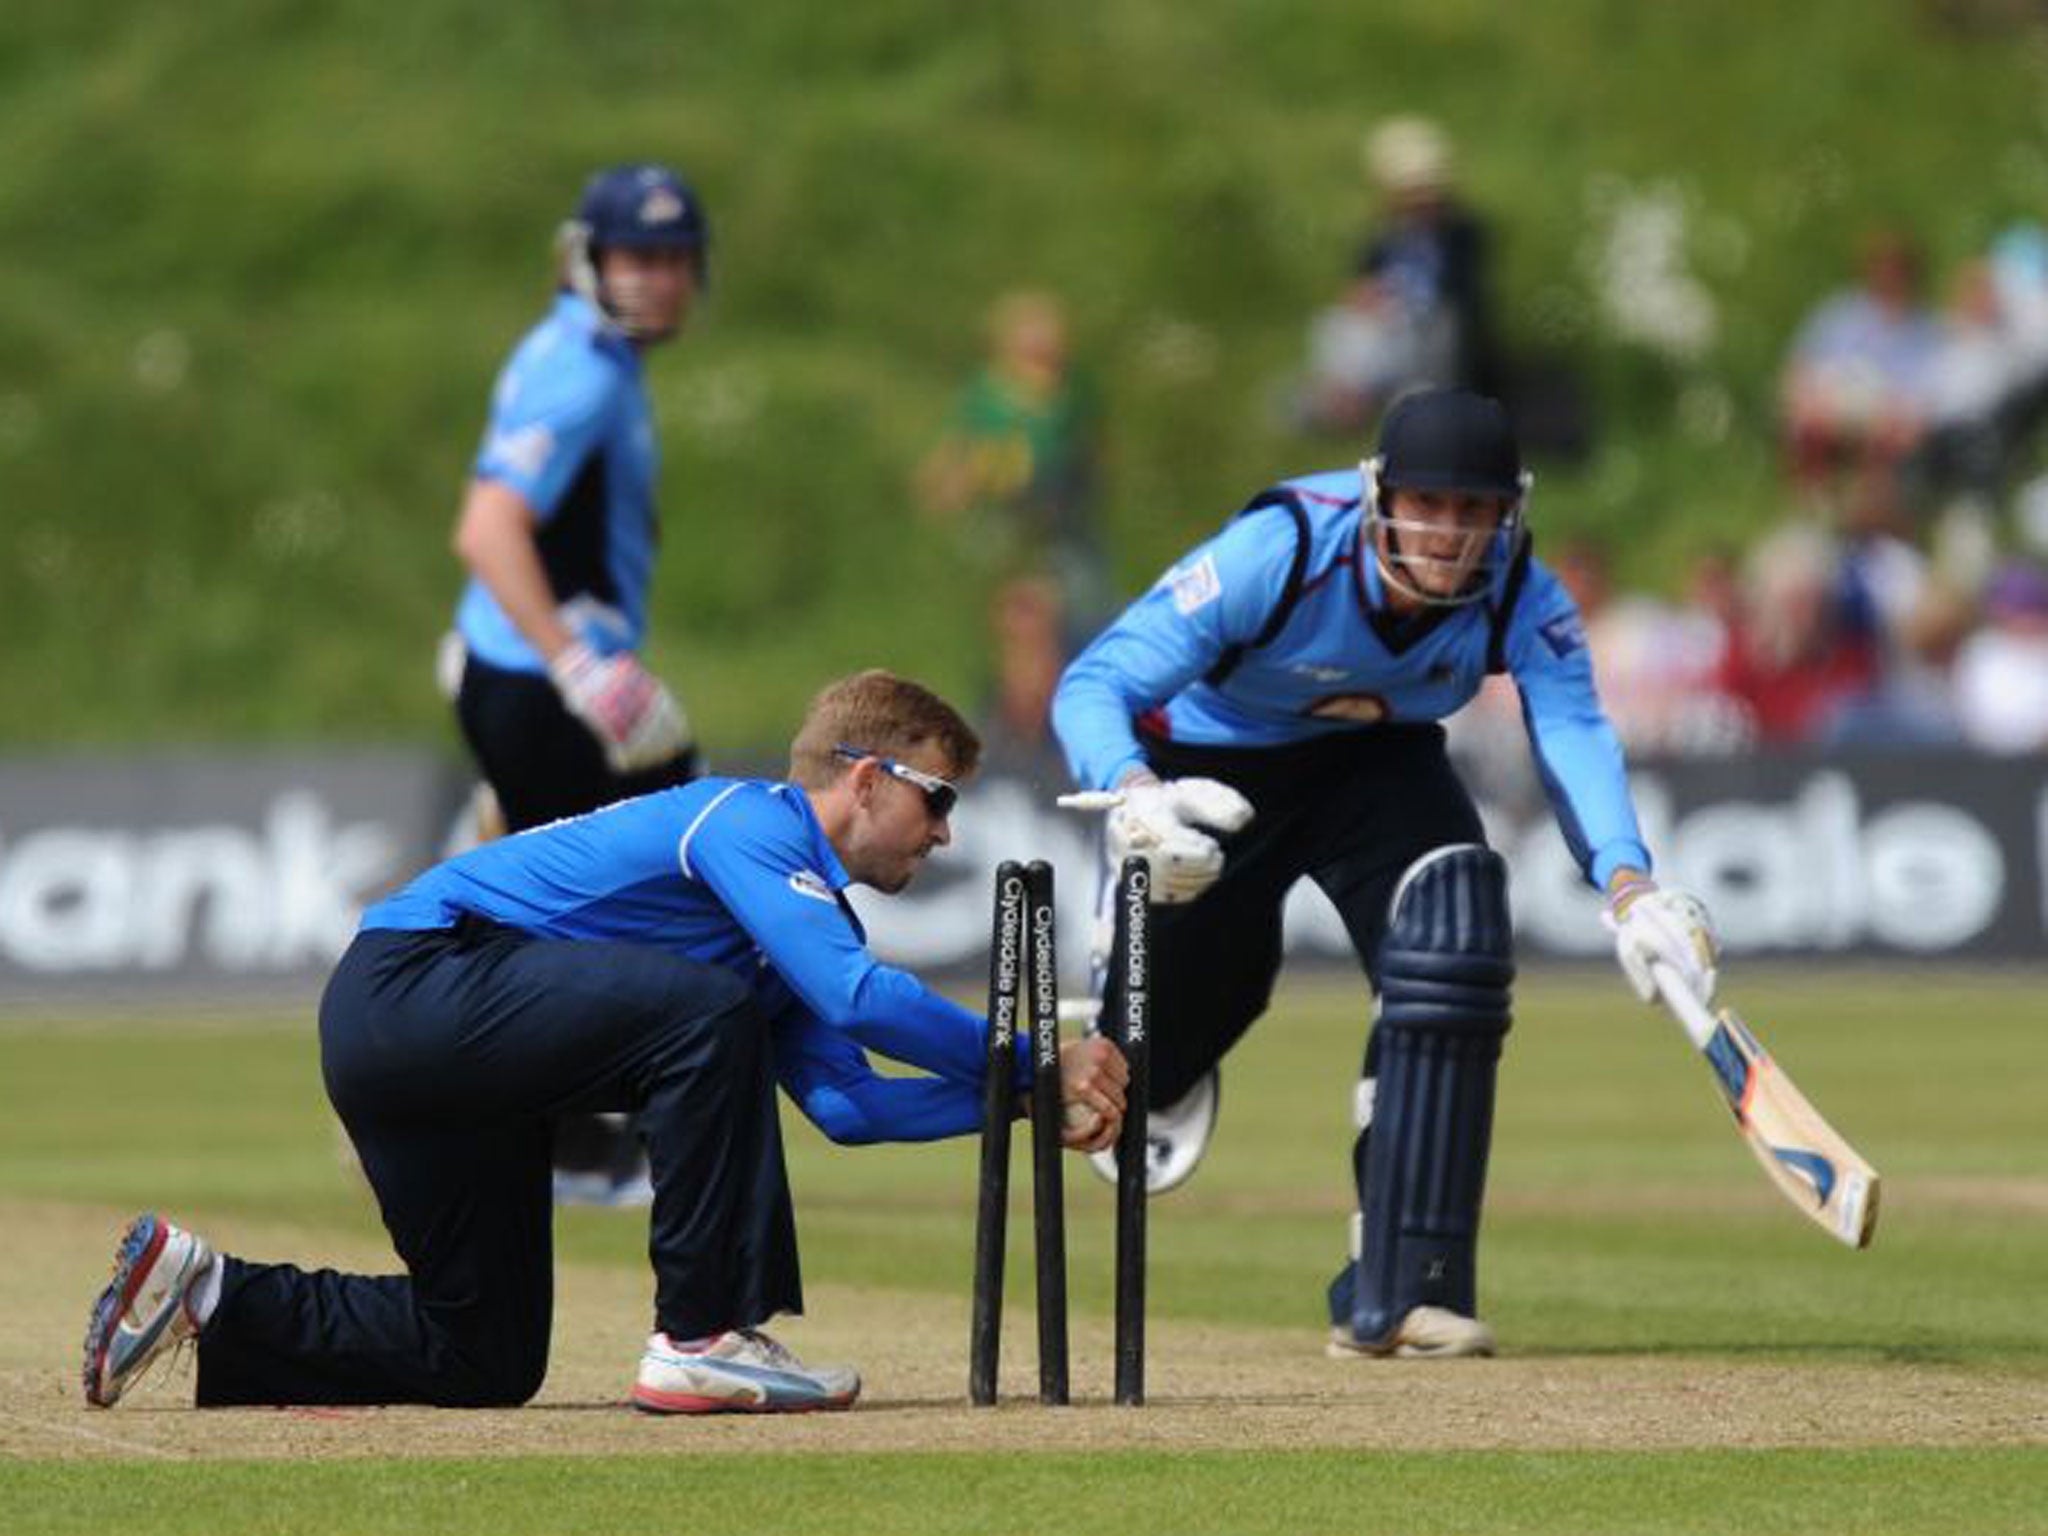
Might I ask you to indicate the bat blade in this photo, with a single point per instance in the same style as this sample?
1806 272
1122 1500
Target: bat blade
1824 1178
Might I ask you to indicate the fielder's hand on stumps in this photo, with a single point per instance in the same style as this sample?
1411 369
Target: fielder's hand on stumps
634 718
1655 927
1162 822
1093 1077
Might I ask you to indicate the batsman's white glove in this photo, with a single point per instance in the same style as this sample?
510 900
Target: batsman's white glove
1652 927
634 718
1161 823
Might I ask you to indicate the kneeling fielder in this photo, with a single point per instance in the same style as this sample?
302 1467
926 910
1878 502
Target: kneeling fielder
673 956
1280 687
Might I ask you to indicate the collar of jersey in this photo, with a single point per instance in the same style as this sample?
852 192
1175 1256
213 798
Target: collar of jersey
829 868
588 320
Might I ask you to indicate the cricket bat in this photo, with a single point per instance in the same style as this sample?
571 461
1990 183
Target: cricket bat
1811 1164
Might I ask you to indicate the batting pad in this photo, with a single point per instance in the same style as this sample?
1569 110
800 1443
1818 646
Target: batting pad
1444 976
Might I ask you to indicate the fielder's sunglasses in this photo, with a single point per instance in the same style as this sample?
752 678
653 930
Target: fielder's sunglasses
940 796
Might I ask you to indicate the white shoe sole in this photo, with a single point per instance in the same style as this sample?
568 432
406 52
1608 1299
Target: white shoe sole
1426 1333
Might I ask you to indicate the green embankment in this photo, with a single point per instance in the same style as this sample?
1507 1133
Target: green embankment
258 263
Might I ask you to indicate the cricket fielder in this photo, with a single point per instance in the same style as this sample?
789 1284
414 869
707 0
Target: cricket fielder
673 955
1270 709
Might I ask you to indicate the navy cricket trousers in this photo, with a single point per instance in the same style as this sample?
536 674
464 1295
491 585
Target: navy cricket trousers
448 1054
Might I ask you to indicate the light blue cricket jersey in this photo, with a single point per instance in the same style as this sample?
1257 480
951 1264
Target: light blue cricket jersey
571 432
1329 670
736 873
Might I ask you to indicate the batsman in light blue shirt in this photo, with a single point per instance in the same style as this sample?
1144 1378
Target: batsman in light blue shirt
1270 710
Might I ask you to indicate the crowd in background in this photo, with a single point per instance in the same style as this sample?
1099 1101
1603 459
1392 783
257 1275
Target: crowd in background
1900 602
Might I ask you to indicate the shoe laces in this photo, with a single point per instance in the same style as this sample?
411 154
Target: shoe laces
773 1348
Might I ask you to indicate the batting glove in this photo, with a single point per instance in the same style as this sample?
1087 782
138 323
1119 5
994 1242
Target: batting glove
1161 823
634 718
1653 927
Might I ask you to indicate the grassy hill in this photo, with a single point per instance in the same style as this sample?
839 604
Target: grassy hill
259 261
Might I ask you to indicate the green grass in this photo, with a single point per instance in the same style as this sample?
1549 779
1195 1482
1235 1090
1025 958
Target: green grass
1625 1219
258 263
1607 1130
1134 1494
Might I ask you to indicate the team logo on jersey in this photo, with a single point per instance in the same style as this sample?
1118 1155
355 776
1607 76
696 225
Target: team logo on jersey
1563 634
1194 586
525 451
1352 708
805 883
1319 674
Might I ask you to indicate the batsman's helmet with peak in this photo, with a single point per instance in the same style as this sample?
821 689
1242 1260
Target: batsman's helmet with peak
645 206
1450 440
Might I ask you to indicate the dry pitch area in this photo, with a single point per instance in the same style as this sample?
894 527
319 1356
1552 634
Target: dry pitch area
1211 1387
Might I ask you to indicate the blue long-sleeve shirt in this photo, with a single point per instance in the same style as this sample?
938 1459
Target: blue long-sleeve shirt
1332 668
571 431
735 873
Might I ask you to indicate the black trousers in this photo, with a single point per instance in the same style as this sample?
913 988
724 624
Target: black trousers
544 764
1351 812
542 761
447 1054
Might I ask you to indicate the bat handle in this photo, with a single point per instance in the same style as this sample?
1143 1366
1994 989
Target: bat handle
1694 1017
1091 800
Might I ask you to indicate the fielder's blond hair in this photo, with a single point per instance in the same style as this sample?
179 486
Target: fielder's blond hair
882 713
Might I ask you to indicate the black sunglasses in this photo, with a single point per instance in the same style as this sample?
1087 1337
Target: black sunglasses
940 796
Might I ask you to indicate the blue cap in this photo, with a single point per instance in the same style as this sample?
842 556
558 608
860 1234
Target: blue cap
643 205
1450 440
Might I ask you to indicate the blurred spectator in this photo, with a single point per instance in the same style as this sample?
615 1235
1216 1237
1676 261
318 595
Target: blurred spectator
1883 577
2001 671
1981 360
1913 701
1655 663
1979 394
1016 474
1856 387
1415 311
1025 616
2018 264
1793 658
1708 610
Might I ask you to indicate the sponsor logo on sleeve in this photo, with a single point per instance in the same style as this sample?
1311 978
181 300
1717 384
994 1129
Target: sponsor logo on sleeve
525 451
806 883
1563 634
1194 586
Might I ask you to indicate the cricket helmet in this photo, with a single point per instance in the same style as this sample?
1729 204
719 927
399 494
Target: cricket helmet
643 206
634 207
1452 440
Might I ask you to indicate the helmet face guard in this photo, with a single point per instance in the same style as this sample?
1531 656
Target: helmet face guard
1482 554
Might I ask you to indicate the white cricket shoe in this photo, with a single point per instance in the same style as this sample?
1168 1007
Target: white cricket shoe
1426 1333
1176 1136
740 1371
146 1308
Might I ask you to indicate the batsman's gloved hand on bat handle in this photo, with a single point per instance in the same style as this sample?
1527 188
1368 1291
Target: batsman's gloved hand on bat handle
1653 926
1162 822
634 718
